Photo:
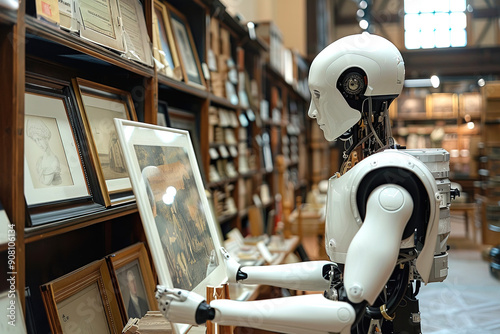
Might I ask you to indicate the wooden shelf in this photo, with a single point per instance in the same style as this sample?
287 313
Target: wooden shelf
60 40
60 227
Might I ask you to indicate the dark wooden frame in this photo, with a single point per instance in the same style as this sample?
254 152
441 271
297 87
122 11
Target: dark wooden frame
65 208
84 87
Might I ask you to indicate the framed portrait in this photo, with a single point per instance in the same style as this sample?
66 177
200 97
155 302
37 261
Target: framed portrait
442 105
191 66
56 182
134 281
471 104
164 48
412 107
83 300
179 226
13 318
99 23
99 105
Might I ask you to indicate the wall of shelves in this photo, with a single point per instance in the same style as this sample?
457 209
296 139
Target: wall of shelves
35 51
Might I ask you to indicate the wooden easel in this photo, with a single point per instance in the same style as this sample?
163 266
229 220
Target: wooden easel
219 292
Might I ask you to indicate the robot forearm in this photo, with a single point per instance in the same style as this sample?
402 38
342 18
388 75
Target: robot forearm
306 276
307 314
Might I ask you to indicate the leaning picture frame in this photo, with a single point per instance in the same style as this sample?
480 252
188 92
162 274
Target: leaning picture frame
57 182
175 212
134 281
99 105
184 41
164 48
83 299
100 23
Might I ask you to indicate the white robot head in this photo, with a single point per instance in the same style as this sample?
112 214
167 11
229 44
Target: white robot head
348 71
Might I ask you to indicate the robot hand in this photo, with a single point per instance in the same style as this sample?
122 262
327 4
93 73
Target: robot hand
182 306
233 271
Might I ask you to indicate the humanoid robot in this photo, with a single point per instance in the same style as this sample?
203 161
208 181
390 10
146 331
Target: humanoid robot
386 215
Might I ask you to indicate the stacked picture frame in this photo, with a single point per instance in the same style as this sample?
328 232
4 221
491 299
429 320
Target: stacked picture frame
73 161
101 296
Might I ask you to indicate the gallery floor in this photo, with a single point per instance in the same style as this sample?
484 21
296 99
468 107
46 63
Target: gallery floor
468 301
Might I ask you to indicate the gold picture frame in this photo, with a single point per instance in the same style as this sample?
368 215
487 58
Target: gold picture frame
164 48
83 299
99 105
191 66
134 281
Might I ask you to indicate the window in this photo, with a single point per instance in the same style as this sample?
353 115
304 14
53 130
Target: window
435 23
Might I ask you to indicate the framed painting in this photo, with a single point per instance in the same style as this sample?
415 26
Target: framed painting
134 281
13 318
56 182
175 212
191 65
164 48
442 105
471 104
83 300
99 105
410 107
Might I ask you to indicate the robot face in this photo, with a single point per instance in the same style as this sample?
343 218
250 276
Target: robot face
334 83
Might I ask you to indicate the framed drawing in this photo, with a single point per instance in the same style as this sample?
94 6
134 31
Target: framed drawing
410 107
164 47
191 66
13 319
99 23
83 300
442 105
134 282
55 180
173 206
471 104
99 105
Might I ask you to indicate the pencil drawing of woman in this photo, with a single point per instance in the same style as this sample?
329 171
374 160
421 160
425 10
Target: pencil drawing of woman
48 167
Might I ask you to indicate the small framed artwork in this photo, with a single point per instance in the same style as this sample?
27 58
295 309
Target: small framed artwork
163 118
410 107
13 318
99 23
83 300
134 282
55 180
442 105
177 219
471 104
191 66
164 48
99 105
